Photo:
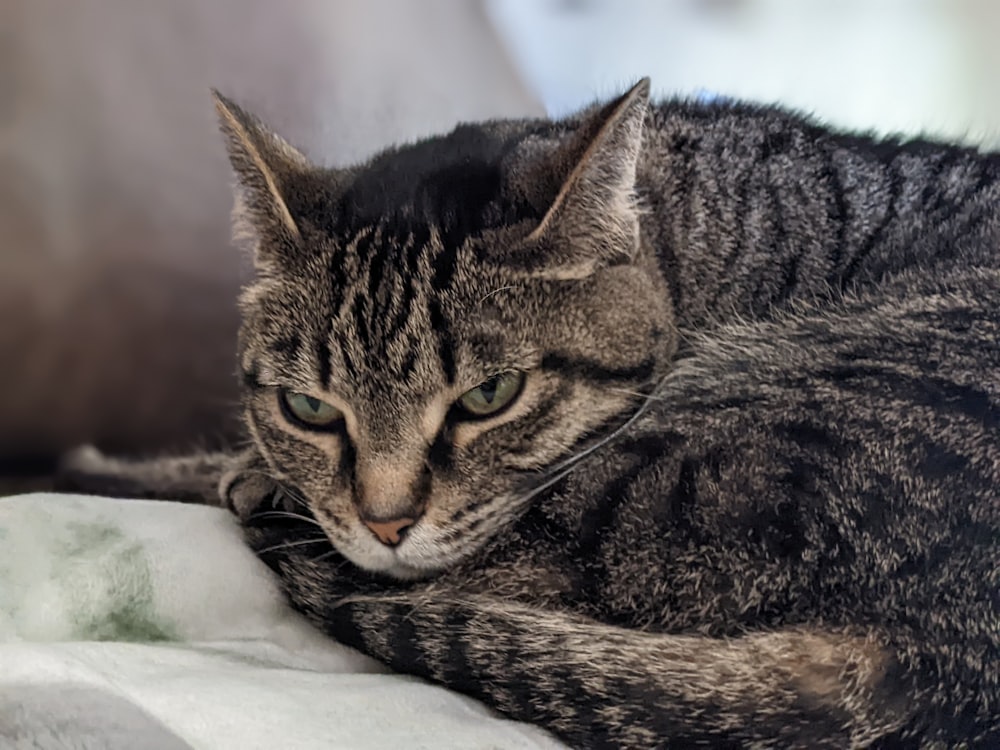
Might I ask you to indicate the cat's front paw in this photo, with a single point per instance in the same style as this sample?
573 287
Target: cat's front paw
246 489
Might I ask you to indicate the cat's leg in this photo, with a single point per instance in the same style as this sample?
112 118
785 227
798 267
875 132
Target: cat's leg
598 686
194 478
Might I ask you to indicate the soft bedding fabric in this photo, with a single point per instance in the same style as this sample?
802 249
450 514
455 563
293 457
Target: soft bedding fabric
135 624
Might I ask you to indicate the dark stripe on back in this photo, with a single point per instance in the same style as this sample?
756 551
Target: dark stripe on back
599 520
716 200
937 393
590 369
940 462
803 433
839 210
934 195
791 257
877 235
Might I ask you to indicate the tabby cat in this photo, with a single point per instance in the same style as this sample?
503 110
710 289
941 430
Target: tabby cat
661 425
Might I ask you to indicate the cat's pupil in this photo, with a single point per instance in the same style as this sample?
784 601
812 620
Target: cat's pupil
313 403
489 390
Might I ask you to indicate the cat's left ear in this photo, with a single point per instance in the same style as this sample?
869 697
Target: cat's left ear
265 166
594 217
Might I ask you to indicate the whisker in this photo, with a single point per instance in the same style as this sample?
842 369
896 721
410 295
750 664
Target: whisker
281 486
293 495
577 457
325 555
496 291
286 514
287 545
564 468
629 392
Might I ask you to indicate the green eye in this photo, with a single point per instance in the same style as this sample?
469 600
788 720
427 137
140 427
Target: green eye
492 396
308 411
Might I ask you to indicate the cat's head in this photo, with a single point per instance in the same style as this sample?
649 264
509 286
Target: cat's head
430 334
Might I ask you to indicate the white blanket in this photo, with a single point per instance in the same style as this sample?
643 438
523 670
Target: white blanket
134 624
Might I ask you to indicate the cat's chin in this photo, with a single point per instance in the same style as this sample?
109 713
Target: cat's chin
396 563
397 569
404 572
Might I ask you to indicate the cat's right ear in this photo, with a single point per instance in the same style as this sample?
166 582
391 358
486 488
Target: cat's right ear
265 166
593 218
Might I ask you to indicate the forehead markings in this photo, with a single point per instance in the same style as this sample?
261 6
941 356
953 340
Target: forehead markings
406 270
408 280
417 259
381 316
337 278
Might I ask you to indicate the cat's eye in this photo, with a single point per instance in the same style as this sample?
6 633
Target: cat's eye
306 411
492 396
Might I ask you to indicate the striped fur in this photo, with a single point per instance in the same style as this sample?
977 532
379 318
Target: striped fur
750 494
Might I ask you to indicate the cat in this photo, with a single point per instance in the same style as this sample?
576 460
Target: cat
661 425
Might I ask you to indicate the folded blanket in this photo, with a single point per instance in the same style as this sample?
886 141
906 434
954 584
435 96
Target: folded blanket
134 624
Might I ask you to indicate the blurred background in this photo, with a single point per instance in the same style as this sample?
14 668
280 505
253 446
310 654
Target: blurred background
117 279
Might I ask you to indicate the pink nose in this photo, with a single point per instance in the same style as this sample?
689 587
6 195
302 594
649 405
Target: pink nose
390 533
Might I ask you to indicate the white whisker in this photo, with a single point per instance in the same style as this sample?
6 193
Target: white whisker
298 543
281 486
286 514
577 457
292 495
495 291
564 468
325 555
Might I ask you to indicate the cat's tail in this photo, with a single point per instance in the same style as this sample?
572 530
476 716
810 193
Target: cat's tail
599 686
239 481
192 479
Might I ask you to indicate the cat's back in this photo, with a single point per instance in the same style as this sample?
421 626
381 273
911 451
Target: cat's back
751 208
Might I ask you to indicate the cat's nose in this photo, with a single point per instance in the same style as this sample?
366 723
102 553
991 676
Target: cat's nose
391 532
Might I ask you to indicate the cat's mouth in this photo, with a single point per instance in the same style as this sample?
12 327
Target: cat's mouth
290 525
416 556
278 535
